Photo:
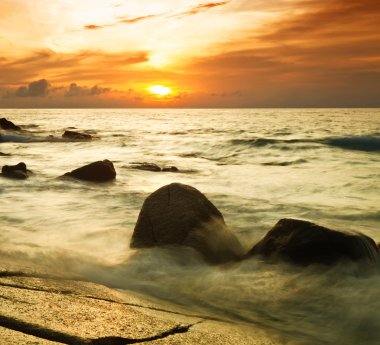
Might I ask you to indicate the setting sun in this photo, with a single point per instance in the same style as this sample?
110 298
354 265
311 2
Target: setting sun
159 90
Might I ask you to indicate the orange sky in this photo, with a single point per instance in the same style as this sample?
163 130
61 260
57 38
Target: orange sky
236 53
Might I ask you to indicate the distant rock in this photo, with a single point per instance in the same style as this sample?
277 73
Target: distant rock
76 135
170 169
100 171
153 167
177 214
305 243
8 125
146 166
18 171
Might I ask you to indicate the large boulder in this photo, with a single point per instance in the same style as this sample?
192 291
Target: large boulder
18 171
100 171
9 125
76 135
177 214
304 243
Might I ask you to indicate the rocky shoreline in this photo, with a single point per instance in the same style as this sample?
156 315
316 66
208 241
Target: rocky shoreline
41 308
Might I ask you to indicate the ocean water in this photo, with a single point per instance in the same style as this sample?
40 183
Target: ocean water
257 166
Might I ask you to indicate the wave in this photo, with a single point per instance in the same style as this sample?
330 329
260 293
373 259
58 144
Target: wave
368 143
360 143
285 163
12 138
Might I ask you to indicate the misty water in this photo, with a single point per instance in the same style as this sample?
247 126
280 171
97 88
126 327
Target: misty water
256 166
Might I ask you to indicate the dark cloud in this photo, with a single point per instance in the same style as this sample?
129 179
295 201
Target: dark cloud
38 88
80 91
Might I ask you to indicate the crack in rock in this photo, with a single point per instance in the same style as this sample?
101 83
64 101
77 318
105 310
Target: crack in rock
64 338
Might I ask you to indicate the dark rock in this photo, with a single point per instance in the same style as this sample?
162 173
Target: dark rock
76 135
17 171
170 169
146 166
100 171
2 154
178 214
305 243
9 125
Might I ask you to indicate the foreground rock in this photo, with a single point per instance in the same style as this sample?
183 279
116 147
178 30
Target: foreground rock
8 125
100 171
76 135
305 243
18 171
43 308
178 214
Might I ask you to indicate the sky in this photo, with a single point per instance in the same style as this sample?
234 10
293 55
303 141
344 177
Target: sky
233 53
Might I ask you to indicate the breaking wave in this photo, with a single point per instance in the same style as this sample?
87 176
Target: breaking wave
366 143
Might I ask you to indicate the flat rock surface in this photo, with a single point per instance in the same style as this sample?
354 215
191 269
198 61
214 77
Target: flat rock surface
39 308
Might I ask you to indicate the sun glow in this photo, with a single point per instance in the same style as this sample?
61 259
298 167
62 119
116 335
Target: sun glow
159 90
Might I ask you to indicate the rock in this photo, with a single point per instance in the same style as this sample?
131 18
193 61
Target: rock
305 243
100 171
146 166
170 169
6 124
177 214
76 135
17 171
2 154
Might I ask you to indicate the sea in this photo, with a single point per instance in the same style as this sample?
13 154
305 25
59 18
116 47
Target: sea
256 165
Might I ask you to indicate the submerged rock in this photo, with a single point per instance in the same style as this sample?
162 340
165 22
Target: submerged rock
304 243
100 171
9 125
170 169
177 214
153 167
146 166
76 135
18 171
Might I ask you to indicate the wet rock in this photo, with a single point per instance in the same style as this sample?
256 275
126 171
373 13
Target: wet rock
18 171
76 135
177 214
170 169
146 166
100 171
9 125
305 243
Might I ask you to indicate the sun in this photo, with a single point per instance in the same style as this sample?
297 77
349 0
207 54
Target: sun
159 90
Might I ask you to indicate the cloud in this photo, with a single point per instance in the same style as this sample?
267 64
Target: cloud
93 27
79 91
39 88
202 8
137 19
122 20
95 67
126 20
